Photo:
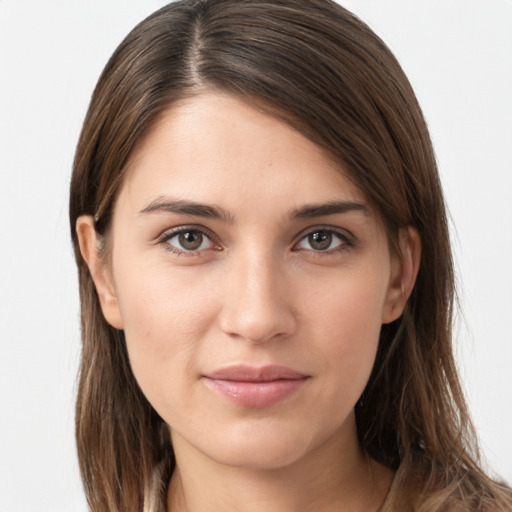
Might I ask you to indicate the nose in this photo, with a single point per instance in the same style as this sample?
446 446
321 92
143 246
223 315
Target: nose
258 300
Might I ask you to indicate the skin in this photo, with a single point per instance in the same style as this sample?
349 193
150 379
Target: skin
258 290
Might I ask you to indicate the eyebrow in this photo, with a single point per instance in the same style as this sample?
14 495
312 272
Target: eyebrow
184 207
330 208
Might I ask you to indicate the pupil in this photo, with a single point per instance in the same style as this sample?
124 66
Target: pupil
320 240
190 240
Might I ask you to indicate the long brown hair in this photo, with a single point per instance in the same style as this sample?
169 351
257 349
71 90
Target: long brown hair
319 68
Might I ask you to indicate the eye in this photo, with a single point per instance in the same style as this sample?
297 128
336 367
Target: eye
188 240
323 240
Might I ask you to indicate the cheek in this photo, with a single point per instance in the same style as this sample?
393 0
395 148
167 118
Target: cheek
348 324
351 307
165 320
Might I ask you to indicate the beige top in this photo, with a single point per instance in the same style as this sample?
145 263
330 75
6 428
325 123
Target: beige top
404 492
391 498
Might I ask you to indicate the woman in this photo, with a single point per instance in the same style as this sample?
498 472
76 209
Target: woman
265 273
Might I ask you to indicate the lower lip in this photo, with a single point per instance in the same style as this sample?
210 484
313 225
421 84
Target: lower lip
256 394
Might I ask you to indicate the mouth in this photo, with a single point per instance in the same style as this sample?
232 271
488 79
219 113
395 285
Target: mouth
253 387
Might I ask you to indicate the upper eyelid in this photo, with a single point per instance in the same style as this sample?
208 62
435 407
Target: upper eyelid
170 232
345 233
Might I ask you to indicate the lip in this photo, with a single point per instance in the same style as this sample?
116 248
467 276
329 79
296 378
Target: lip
255 387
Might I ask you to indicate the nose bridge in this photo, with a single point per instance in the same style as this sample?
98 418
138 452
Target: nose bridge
257 304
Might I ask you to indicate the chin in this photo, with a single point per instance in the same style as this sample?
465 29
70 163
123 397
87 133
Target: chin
263 456
259 445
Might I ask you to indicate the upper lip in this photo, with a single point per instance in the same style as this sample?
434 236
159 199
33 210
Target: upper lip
247 373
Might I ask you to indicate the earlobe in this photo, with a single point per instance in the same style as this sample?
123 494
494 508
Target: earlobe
404 270
99 270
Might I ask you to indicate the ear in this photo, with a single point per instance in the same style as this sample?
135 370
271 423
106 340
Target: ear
100 271
404 270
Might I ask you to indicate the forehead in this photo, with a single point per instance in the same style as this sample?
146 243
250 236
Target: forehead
216 144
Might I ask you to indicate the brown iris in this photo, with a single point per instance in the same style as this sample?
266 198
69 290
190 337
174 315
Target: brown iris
190 240
320 240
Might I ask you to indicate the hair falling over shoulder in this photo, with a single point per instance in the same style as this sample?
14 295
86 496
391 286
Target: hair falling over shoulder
319 68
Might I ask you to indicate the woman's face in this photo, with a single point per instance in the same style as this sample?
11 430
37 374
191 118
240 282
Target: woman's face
251 279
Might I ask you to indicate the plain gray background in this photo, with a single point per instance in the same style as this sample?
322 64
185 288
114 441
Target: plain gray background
458 55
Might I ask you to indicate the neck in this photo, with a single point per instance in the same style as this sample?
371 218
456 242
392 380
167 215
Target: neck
332 477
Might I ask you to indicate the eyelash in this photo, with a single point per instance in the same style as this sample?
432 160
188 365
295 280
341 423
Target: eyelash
345 244
175 232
